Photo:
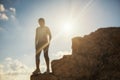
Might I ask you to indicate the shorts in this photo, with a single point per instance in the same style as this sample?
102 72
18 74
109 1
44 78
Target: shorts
42 46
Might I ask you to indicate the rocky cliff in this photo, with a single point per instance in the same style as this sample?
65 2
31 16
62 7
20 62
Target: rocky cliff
94 57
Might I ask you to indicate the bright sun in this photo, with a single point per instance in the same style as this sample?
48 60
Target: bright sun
67 27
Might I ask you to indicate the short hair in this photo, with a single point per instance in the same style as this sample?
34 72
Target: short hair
41 19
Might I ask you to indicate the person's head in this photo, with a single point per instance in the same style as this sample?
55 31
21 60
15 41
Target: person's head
41 22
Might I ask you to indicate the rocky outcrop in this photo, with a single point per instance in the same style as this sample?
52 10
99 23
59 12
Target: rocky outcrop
94 57
43 77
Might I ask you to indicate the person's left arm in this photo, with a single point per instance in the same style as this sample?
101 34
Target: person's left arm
49 33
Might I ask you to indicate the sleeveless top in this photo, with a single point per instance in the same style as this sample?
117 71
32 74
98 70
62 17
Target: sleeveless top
42 34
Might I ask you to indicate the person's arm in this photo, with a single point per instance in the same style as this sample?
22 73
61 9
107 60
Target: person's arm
36 37
49 33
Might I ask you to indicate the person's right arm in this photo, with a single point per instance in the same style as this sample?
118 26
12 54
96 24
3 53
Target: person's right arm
36 37
49 33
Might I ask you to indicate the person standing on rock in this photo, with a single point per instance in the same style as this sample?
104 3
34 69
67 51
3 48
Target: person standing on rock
42 42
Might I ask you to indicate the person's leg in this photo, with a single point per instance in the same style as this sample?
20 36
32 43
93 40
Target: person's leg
37 56
47 58
37 59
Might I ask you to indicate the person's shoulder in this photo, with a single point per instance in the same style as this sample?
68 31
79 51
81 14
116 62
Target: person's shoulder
37 28
47 27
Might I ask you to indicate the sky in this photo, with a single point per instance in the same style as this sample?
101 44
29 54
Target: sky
66 20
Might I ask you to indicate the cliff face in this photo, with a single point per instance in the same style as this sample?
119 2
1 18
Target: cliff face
94 57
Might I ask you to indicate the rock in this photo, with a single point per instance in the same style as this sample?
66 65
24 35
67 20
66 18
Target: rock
43 77
94 57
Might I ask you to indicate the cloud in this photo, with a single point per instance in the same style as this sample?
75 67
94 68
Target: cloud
2 8
8 59
12 13
13 17
3 16
13 10
14 69
15 66
6 14
1 68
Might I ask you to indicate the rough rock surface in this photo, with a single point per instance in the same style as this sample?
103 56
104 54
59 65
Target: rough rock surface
94 57
43 77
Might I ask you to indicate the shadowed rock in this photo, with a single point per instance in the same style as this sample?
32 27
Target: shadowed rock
95 56
43 77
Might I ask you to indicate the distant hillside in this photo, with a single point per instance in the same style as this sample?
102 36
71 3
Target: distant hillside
94 57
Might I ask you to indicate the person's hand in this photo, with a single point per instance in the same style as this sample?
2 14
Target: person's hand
49 41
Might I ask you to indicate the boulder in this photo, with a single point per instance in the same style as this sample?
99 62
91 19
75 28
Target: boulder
94 57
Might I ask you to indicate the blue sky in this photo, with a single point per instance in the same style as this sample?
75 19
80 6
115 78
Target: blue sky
18 21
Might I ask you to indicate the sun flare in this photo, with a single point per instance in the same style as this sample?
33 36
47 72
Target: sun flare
67 27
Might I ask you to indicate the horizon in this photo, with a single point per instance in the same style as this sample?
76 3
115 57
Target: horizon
65 18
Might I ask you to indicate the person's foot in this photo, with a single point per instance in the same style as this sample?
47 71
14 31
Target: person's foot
47 72
37 71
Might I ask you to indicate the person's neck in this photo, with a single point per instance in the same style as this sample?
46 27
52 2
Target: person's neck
42 26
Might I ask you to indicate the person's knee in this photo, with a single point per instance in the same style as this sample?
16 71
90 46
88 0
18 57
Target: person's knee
46 56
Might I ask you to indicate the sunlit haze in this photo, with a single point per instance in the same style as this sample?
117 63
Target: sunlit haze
65 18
